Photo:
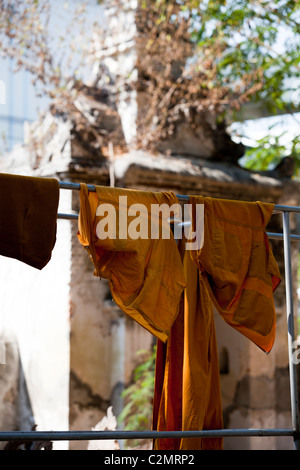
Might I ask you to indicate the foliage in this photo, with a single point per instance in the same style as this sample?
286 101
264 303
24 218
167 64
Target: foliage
234 51
269 152
249 51
298 293
199 58
137 412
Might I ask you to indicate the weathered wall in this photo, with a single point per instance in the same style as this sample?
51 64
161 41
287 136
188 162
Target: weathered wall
103 344
9 388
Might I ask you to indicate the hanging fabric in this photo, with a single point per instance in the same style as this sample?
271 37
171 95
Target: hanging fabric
28 216
171 292
238 266
187 393
235 271
145 274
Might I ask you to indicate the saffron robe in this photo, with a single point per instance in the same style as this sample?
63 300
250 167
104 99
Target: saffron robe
28 217
187 383
236 272
171 292
145 274
238 266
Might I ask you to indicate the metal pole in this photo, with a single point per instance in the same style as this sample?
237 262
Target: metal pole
99 435
290 325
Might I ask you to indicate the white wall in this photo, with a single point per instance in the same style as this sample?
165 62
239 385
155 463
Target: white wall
34 314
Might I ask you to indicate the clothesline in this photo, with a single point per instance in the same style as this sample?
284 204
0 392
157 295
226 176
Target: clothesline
294 431
181 197
287 237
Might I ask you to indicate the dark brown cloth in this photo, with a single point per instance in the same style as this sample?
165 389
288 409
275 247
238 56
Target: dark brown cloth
28 215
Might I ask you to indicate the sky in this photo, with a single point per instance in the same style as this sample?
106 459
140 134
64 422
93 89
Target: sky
285 125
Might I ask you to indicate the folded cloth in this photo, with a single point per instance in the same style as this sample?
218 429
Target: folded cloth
28 215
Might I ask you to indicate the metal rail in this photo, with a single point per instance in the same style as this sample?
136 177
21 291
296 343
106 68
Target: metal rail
293 432
290 324
119 435
277 209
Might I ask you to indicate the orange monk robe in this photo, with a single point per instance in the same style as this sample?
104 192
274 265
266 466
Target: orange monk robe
145 274
187 383
146 280
238 266
236 271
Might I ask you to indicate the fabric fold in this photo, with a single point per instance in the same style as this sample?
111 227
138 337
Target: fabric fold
187 394
238 266
234 271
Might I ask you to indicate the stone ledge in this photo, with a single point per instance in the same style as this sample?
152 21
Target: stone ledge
139 168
